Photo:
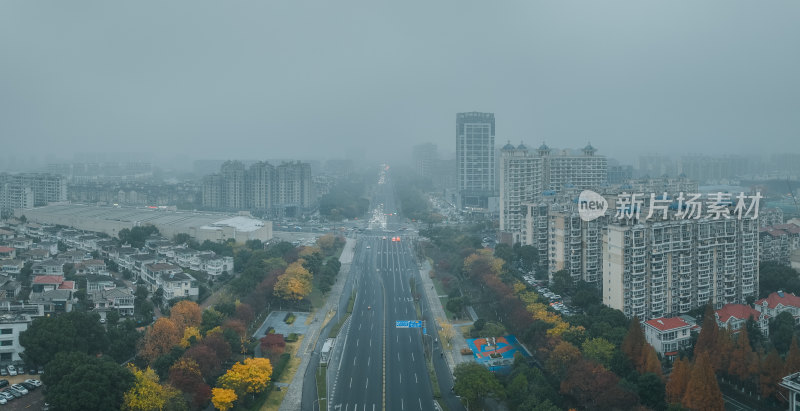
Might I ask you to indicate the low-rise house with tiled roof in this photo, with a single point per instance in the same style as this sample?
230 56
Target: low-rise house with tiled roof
91 267
735 316
75 256
779 302
50 246
178 285
11 266
49 267
152 272
54 301
99 282
21 243
119 299
6 234
8 253
36 254
668 335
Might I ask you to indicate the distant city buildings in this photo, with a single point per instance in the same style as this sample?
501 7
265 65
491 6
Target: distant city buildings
283 189
103 172
708 169
26 190
475 159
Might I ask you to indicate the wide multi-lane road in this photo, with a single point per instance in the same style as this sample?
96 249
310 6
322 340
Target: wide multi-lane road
381 367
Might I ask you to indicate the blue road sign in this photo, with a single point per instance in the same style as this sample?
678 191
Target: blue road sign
408 324
424 330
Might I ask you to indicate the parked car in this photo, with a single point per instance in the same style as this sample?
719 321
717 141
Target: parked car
3 372
41 370
19 388
13 392
12 370
28 386
31 381
3 383
3 400
7 395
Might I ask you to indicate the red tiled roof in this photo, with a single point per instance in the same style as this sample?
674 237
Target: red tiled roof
6 249
780 297
48 279
738 311
665 324
67 285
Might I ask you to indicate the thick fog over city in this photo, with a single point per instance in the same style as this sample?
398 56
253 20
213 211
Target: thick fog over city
427 206
208 79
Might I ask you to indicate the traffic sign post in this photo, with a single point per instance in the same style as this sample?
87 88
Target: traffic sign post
409 324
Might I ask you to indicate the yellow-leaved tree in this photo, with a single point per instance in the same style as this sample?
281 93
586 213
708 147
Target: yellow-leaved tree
223 398
190 334
294 283
147 394
250 377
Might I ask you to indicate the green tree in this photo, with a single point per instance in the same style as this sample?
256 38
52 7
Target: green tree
773 277
475 382
598 349
76 381
781 331
76 331
651 391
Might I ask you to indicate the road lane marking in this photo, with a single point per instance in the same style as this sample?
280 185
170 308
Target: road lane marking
402 404
416 380
351 382
365 387
412 356
369 359
420 403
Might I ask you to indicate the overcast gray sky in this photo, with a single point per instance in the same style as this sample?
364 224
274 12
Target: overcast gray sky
302 79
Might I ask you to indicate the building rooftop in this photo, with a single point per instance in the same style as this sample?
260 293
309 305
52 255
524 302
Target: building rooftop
737 311
666 324
780 297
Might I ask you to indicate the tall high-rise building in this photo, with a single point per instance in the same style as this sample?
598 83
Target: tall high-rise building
564 168
662 268
425 157
576 245
520 183
234 191
293 185
526 174
475 159
259 185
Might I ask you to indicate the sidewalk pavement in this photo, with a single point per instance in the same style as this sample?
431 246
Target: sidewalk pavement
453 355
294 395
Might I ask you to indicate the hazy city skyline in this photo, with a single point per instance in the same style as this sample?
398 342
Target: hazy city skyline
196 80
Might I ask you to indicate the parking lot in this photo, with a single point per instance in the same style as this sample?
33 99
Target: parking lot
556 301
32 401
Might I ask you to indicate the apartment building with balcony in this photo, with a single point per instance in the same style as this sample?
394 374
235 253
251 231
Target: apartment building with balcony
660 268
778 242
575 245
520 184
